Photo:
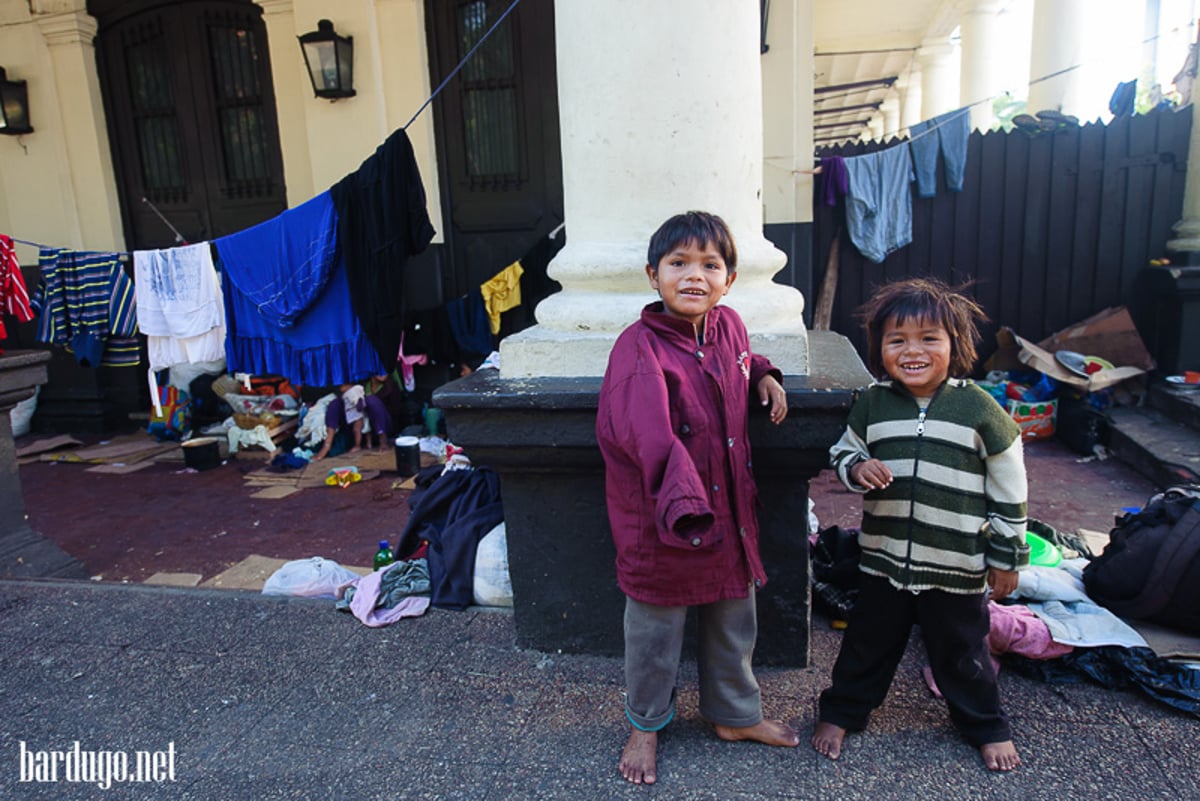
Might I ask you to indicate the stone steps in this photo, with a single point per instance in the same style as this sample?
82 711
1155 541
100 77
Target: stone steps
1160 439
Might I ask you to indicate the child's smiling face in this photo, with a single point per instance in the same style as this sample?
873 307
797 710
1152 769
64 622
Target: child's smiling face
691 278
916 353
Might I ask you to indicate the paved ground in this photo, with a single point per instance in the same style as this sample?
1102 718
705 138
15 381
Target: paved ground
266 698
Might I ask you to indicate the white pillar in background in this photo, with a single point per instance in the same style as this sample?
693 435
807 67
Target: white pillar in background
1187 230
874 132
983 54
910 100
87 175
1056 49
939 78
890 111
656 132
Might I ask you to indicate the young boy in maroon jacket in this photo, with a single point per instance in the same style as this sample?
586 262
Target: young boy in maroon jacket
680 492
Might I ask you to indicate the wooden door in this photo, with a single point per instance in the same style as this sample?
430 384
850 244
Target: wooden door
500 161
187 89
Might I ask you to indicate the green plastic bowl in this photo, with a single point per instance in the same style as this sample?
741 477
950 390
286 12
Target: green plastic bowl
1042 552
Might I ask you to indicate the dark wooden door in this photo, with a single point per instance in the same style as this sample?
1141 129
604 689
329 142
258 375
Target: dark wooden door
500 161
187 89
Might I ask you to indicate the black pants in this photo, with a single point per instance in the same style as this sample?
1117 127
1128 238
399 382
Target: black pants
955 629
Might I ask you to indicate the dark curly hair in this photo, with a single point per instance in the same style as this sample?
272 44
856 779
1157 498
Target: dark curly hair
697 227
924 299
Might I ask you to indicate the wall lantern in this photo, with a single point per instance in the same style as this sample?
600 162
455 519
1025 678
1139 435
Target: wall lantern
330 61
14 106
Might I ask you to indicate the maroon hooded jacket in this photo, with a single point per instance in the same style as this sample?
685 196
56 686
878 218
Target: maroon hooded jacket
672 428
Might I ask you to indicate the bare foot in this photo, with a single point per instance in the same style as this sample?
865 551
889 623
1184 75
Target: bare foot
637 760
355 449
771 732
827 739
1000 756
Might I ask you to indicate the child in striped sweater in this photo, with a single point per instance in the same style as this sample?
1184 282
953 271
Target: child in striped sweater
943 473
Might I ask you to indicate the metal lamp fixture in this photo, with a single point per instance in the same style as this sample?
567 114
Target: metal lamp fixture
330 61
14 106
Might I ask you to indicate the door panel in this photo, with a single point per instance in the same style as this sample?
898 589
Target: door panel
498 144
187 87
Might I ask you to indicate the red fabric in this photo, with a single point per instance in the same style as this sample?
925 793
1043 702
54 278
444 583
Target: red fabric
14 297
681 499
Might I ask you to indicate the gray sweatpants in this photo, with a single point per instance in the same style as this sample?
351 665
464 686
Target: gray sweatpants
729 694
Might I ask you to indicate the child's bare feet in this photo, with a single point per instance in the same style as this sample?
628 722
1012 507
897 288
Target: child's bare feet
1000 756
638 758
827 739
770 732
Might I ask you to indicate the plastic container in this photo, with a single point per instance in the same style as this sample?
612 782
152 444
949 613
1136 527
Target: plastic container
408 455
384 556
202 453
1042 552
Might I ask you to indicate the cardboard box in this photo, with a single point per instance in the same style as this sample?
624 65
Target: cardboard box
1109 334
1036 418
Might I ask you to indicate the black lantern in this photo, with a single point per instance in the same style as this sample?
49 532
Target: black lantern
14 106
330 61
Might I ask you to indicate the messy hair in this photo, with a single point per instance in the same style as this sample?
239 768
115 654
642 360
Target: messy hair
695 227
924 299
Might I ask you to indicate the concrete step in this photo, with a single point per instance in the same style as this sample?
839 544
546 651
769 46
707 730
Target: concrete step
1159 447
1179 404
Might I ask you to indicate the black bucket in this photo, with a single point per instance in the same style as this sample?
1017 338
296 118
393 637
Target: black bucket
202 453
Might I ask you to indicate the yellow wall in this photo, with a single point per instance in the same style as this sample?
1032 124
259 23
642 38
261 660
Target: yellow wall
57 182
324 140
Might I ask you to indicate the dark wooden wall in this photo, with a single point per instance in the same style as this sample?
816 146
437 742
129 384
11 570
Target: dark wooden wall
1050 227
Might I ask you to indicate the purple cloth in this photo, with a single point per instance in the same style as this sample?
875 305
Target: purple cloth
373 409
834 180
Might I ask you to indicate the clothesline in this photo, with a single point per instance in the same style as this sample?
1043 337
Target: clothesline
120 254
461 64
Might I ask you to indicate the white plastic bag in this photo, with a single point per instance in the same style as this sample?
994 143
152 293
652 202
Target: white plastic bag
315 577
21 416
492 584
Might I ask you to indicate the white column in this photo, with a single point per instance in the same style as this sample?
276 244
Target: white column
939 78
1187 230
658 131
874 132
910 100
86 170
983 53
1057 45
889 111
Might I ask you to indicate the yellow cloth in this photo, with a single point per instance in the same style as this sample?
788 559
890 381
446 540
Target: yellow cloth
502 292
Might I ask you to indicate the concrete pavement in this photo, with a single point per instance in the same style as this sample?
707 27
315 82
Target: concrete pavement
259 698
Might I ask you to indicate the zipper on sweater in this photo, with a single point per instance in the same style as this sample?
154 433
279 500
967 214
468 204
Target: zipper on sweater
912 498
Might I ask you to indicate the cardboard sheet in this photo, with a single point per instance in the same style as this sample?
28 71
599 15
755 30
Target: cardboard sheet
1109 334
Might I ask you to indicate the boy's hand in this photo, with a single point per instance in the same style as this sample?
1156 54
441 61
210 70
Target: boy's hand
1002 582
872 474
770 393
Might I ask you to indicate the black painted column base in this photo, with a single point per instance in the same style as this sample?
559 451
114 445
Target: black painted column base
539 436
23 552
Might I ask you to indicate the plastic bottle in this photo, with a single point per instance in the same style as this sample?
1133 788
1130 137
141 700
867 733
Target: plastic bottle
384 556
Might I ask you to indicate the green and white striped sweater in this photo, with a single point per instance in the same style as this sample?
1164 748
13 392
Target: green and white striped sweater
957 502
